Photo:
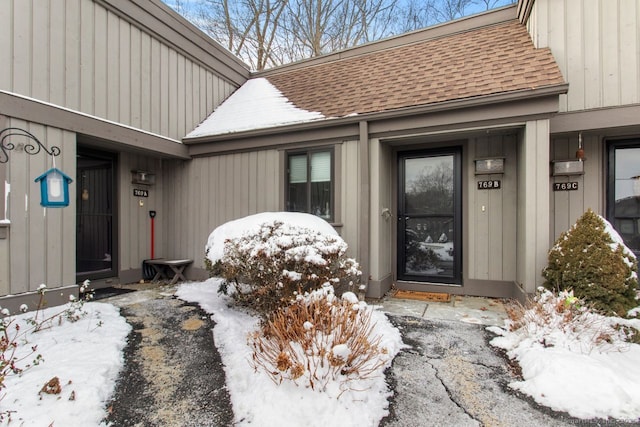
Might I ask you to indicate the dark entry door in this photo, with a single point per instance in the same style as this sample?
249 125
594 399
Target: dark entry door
95 234
429 216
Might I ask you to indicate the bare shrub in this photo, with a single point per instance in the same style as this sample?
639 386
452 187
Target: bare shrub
319 339
564 320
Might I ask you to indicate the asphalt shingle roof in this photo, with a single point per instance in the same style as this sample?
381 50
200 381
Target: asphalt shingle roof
484 61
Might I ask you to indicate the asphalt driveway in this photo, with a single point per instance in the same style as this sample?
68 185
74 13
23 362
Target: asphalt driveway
447 376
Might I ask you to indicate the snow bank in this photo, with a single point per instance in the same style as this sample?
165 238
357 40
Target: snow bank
567 367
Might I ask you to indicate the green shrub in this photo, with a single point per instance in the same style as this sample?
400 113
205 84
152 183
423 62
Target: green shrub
264 270
591 259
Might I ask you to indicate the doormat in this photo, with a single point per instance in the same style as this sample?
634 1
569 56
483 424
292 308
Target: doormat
103 293
423 296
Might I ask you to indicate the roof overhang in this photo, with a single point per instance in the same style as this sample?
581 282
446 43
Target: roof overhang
488 110
116 136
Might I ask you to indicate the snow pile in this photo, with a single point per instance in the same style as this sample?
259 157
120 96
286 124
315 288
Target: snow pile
85 355
618 242
256 104
251 225
257 400
574 360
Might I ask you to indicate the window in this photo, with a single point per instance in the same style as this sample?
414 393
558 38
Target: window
310 183
623 207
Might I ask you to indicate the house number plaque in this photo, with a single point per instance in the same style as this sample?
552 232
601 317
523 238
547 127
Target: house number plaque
493 184
565 186
140 193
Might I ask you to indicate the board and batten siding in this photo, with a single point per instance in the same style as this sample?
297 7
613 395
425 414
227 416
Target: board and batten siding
350 198
596 44
41 241
79 55
490 248
134 222
206 192
568 206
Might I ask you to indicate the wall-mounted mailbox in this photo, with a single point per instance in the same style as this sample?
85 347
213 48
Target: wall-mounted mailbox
568 167
54 188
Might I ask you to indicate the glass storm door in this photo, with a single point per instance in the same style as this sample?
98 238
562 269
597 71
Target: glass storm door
95 234
623 202
429 216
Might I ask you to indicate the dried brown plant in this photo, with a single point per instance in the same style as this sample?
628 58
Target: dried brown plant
299 341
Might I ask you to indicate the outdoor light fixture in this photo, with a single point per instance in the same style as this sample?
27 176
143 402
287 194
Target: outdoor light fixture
142 177
489 166
568 167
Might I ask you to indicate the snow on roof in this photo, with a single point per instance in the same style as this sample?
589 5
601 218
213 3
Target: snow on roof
256 104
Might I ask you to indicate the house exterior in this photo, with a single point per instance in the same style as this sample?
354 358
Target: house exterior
114 85
446 157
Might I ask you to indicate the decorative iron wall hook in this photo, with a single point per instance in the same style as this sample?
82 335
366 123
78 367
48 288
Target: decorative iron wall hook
29 148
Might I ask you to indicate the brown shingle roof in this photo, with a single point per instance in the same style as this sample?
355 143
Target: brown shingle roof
484 61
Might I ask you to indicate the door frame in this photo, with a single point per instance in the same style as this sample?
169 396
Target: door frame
115 263
611 146
457 152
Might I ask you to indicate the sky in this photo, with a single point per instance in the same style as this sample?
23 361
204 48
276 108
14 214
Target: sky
561 366
477 7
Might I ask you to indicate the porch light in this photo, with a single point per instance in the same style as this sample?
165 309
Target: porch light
489 165
142 177
568 167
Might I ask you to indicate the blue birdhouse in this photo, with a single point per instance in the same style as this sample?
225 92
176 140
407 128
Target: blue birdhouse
54 188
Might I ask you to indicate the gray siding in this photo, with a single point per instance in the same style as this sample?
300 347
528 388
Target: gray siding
350 199
79 55
596 43
206 192
128 64
41 241
492 214
568 206
134 221
209 191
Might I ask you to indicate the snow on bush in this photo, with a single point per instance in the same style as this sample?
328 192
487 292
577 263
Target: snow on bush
272 261
320 341
572 358
592 260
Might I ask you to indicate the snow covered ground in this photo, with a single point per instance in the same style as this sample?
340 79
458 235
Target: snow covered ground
85 355
561 369
87 359
581 366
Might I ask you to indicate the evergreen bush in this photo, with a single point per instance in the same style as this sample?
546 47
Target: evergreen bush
267 268
591 259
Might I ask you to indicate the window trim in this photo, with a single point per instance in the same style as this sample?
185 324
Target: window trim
308 151
611 146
